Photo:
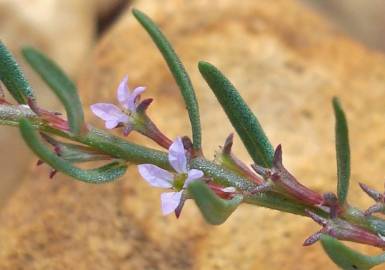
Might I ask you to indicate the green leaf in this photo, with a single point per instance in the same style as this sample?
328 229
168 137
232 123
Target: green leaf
62 86
13 78
347 258
240 115
342 152
104 174
214 209
178 71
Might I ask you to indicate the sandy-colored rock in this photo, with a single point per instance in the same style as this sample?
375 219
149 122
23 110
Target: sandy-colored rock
362 19
287 63
106 7
62 29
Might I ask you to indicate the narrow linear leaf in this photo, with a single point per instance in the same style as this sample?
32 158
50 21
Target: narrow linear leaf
104 174
214 209
347 258
342 152
62 86
178 71
240 115
13 78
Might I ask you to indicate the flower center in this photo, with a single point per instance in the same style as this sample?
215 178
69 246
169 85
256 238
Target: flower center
128 112
179 180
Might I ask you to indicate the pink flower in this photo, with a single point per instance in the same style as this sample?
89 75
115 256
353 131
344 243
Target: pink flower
113 115
158 177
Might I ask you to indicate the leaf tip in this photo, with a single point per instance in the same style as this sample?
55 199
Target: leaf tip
203 66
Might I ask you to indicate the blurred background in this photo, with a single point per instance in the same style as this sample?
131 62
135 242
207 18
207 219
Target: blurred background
78 34
362 20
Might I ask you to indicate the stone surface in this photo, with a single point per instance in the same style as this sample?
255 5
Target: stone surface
50 26
105 7
287 63
362 19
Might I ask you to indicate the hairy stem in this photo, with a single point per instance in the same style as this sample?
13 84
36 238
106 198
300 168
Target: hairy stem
134 153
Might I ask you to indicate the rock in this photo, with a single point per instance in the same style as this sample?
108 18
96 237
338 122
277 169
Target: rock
50 25
106 7
287 63
361 19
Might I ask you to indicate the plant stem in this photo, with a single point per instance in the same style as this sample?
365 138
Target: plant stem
119 148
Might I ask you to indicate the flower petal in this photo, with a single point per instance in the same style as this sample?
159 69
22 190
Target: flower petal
109 113
177 156
170 201
131 101
123 93
193 175
155 176
110 124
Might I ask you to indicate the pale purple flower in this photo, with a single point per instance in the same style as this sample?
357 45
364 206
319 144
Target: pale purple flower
158 177
113 115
